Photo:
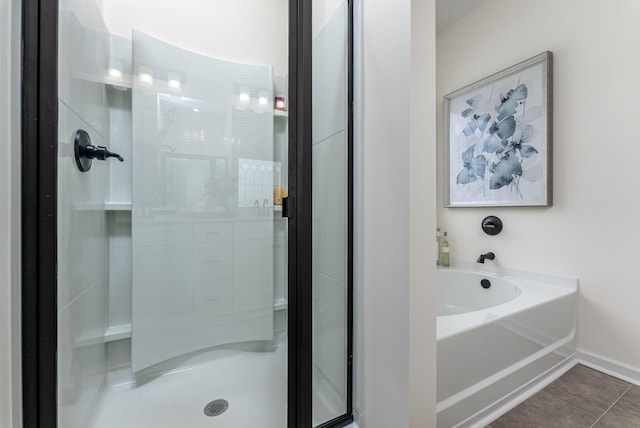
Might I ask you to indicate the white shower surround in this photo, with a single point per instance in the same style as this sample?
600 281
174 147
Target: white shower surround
490 356
191 289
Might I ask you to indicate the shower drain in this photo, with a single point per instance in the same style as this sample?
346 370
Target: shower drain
216 407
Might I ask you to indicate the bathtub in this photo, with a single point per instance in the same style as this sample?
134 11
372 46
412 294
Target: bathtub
501 335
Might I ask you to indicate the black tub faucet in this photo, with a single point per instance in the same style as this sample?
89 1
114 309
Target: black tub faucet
487 256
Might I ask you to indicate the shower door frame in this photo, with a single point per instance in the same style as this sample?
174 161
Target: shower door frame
39 212
39 216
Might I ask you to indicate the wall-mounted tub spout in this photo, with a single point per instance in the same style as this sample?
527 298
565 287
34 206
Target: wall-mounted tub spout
487 256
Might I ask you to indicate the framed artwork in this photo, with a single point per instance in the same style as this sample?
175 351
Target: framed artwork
497 138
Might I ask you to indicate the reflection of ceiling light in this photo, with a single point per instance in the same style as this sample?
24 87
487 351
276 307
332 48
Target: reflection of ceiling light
145 76
174 81
245 96
196 110
115 69
263 101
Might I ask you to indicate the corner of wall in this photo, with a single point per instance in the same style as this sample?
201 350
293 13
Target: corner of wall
357 206
15 204
5 308
422 222
383 243
10 357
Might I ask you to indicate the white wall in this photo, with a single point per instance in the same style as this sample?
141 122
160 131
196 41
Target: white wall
5 214
592 230
422 216
10 404
396 310
203 26
385 229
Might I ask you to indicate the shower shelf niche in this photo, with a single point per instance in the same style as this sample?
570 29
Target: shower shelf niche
280 305
123 331
117 332
126 206
117 206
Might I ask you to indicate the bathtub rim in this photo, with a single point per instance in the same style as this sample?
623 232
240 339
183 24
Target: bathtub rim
537 289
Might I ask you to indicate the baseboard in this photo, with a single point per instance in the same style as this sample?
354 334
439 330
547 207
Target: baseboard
609 366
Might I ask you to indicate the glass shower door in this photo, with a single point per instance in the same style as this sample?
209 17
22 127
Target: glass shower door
331 212
172 284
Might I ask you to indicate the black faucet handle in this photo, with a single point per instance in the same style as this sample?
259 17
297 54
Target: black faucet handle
113 155
100 153
85 151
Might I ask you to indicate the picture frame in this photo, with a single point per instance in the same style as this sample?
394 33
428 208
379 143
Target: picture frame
498 138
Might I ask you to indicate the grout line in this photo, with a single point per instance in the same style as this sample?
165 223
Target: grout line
611 407
573 405
584 411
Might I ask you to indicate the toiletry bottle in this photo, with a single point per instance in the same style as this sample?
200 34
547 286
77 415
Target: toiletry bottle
439 247
445 250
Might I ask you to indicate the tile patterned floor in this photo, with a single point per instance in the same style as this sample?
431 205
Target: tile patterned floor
581 398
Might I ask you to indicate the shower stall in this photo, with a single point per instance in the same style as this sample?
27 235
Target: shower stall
187 213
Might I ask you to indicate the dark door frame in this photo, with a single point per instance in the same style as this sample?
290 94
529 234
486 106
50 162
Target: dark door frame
299 202
39 212
39 216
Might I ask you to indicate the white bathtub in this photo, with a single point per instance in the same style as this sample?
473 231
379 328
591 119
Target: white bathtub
495 344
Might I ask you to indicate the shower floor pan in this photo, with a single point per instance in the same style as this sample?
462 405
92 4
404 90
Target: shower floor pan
253 383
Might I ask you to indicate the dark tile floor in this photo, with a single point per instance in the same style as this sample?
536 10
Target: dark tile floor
581 398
